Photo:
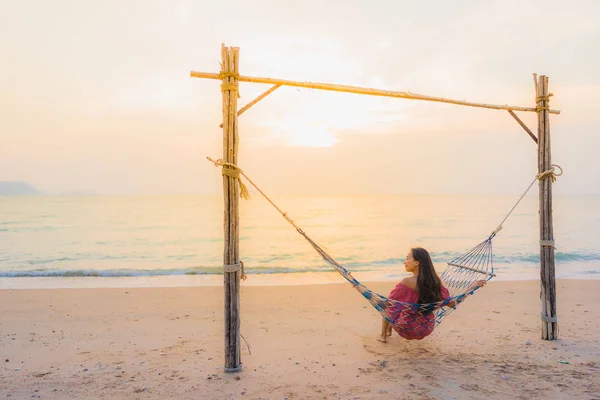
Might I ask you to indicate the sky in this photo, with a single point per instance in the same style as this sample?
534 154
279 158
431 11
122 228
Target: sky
96 96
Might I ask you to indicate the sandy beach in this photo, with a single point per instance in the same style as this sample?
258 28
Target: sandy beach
306 342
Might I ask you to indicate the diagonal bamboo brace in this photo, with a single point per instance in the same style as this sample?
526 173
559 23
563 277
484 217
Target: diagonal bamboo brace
516 117
256 100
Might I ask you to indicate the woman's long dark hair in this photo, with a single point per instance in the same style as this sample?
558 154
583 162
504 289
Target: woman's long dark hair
429 284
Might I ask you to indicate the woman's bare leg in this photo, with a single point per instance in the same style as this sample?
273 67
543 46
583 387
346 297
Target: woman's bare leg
385 326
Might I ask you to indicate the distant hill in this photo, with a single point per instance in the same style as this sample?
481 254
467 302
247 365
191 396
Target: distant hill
74 194
18 189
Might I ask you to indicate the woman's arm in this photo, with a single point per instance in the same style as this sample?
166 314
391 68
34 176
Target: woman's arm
474 286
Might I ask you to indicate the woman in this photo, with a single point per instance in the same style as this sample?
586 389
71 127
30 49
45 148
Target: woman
424 286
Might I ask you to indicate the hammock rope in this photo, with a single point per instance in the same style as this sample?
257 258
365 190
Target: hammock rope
412 320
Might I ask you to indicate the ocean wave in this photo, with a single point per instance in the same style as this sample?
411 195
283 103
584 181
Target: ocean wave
109 273
440 258
354 266
50 260
558 256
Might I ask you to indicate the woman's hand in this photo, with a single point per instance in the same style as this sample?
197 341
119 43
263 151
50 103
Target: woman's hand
478 284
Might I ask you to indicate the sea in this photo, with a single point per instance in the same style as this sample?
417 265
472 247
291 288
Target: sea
162 241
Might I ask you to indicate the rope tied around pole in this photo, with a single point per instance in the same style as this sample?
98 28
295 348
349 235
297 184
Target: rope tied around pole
233 86
546 318
230 86
548 243
550 173
223 75
549 319
233 171
235 268
547 174
542 98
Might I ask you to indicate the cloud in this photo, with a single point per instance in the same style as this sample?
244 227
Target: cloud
99 95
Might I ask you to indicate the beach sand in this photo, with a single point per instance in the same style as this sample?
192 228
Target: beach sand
306 342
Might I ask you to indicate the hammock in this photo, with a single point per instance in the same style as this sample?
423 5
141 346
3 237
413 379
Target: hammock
417 321
412 320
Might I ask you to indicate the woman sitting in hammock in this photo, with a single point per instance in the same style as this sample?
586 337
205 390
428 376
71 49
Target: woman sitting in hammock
412 321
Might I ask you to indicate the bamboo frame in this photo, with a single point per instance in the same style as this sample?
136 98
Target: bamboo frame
368 91
230 76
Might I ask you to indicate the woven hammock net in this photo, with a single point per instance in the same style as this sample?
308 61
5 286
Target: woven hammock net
417 321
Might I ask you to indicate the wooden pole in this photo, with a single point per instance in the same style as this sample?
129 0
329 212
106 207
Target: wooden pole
368 91
231 276
547 274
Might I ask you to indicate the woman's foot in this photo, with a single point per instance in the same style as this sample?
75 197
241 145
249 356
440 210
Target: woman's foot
382 338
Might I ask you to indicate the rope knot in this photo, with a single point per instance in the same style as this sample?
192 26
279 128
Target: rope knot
223 75
233 171
542 98
549 173
243 275
232 85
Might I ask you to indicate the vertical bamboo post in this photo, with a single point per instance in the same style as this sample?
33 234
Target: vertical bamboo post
231 276
547 275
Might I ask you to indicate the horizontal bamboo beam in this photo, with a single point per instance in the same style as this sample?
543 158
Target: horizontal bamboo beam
361 90
256 100
516 117
472 269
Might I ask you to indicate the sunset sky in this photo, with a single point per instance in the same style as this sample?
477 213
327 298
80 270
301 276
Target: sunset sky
96 96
